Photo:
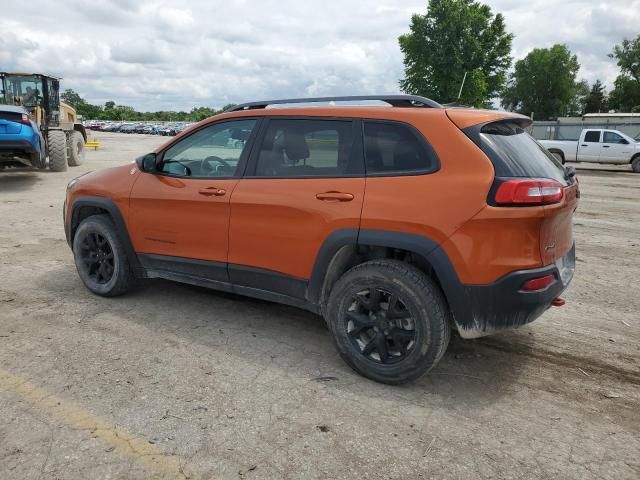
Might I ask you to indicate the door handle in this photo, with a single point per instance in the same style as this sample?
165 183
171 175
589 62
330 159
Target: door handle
211 191
335 197
584 145
606 146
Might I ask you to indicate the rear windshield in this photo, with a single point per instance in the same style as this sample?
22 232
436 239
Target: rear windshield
12 116
515 153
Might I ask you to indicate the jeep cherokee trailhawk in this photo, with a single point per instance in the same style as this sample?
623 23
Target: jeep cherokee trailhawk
393 217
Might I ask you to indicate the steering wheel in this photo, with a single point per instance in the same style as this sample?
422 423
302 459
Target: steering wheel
207 168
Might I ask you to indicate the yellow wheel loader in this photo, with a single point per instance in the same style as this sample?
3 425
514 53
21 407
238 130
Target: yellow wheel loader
62 134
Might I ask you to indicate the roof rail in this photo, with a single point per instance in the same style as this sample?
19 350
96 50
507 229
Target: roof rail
393 100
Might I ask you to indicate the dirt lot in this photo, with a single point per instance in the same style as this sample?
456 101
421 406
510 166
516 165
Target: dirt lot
174 381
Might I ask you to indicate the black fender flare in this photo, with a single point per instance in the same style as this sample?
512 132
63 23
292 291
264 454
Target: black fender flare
426 247
78 127
118 220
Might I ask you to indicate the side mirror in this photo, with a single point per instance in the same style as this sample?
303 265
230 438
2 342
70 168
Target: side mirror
569 172
624 141
148 162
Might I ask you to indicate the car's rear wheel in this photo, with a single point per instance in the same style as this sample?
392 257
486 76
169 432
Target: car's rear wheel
389 321
100 257
635 164
38 161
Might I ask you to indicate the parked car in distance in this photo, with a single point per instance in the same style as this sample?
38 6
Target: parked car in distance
598 146
21 143
396 223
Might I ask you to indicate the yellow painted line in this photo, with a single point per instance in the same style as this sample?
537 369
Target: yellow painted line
75 416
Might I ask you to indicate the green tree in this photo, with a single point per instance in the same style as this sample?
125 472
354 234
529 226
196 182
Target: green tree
579 102
543 83
596 101
625 95
72 98
86 110
200 113
454 38
111 111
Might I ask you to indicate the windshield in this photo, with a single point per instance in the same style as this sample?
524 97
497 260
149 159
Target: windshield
23 90
515 153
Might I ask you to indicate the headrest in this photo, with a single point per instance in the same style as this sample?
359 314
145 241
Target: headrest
295 145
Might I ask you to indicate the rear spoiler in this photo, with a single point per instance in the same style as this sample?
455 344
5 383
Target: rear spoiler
464 118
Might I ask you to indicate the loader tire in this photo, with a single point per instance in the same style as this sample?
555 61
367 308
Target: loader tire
57 141
76 149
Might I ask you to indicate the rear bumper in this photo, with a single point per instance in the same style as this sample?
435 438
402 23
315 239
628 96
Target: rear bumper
485 309
19 145
22 151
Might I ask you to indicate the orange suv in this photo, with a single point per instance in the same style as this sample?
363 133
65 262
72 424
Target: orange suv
393 217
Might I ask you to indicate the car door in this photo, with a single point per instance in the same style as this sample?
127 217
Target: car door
304 182
589 147
615 148
179 214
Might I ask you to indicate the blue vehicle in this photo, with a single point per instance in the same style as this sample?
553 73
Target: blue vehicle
21 143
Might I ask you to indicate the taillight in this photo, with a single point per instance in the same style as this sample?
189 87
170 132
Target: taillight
528 192
538 283
25 119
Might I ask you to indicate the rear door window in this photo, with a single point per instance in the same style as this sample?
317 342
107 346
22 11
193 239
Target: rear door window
294 148
592 136
515 153
395 148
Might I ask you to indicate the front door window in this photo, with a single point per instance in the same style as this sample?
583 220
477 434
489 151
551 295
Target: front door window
214 151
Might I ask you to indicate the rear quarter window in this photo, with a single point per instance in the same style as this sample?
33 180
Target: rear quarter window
515 153
393 148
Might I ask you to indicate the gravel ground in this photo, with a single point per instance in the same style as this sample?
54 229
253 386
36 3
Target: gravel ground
173 381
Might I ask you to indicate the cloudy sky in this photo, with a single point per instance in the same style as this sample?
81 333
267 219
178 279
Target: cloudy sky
169 54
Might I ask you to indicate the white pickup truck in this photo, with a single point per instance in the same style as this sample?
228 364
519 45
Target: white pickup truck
598 146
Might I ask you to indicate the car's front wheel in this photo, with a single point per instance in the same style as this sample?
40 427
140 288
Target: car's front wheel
100 257
389 321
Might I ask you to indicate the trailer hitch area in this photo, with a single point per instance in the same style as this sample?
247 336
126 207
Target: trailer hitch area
558 302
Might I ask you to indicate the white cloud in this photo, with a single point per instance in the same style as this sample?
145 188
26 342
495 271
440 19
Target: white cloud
160 54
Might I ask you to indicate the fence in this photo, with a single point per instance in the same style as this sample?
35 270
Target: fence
559 130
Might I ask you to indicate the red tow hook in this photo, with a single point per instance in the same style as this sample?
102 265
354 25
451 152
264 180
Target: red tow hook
558 302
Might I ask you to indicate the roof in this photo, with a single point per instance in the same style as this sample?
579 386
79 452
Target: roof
611 115
404 101
30 74
403 108
12 108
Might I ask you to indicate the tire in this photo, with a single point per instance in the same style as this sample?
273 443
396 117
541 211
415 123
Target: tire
411 334
57 143
559 157
76 149
37 161
100 257
635 164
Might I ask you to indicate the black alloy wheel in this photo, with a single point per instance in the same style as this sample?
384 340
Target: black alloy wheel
97 255
101 258
380 326
389 320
